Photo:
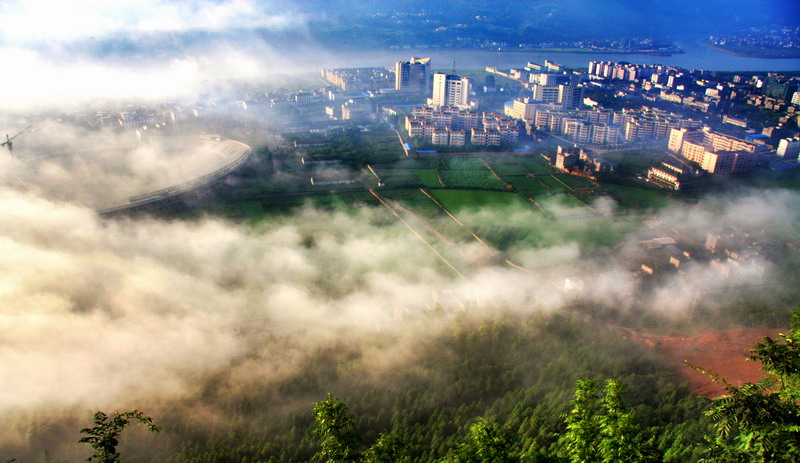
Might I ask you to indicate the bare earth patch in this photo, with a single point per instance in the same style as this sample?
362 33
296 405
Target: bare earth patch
724 352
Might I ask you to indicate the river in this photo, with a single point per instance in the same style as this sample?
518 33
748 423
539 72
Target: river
696 56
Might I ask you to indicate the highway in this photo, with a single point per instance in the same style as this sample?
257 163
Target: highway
155 200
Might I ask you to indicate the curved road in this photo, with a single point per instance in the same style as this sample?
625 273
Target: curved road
185 193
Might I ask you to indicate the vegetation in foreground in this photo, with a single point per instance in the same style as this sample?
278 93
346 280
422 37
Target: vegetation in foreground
754 422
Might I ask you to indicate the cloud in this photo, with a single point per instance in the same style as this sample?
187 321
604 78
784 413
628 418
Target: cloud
72 54
37 81
141 313
102 168
34 21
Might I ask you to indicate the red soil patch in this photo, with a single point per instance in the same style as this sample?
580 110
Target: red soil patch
723 352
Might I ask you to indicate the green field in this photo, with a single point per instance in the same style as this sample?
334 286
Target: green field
569 201
398 178
630 197
414 200
428 177
502 160
463 163
252 210
537 165
505 170
552 183
455 200
576 182
482 179
417 163
527 185
633 162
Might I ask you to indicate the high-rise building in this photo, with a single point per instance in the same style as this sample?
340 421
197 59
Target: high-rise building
570 96
545 93
450 90
789 148
412 76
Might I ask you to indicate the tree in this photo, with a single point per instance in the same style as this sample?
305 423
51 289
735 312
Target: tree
103 437
760 422
619 437
600 430
386 449
579 443
335 430
487 442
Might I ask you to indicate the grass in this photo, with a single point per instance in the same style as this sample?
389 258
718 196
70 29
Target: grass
482 179
252 210
575 182
461 163
417 163
552 183
570 201
401 178
630 197
505 170
632 162
537 165
414 200
428 178
455 200
527 185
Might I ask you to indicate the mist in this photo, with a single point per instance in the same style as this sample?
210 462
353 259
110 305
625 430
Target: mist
102 168
133 313
145 312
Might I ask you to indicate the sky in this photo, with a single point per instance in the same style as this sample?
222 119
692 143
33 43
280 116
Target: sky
48 48
133 313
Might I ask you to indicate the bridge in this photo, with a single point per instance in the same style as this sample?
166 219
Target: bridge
185 194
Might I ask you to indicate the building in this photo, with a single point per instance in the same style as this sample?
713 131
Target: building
734 121
789 148
715 152
667 175
449 137
570 96
356 110
729 162
678 136
412 75
523 109
350 79
450 90
485 137
580 131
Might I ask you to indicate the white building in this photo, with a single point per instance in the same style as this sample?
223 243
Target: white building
450 90
789 148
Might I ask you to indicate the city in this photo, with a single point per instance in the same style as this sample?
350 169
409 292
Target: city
400 231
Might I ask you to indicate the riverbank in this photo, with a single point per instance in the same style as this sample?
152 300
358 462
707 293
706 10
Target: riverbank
573 50
762 53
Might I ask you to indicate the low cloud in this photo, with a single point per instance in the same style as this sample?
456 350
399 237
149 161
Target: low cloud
44 21
103 168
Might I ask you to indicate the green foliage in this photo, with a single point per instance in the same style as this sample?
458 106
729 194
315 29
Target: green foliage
335 430
579 443
103 436
487 442
619 435
600 429
518 373
388 448
760 422
481 179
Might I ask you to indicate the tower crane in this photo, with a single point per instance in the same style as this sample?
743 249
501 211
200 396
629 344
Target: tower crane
8 143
